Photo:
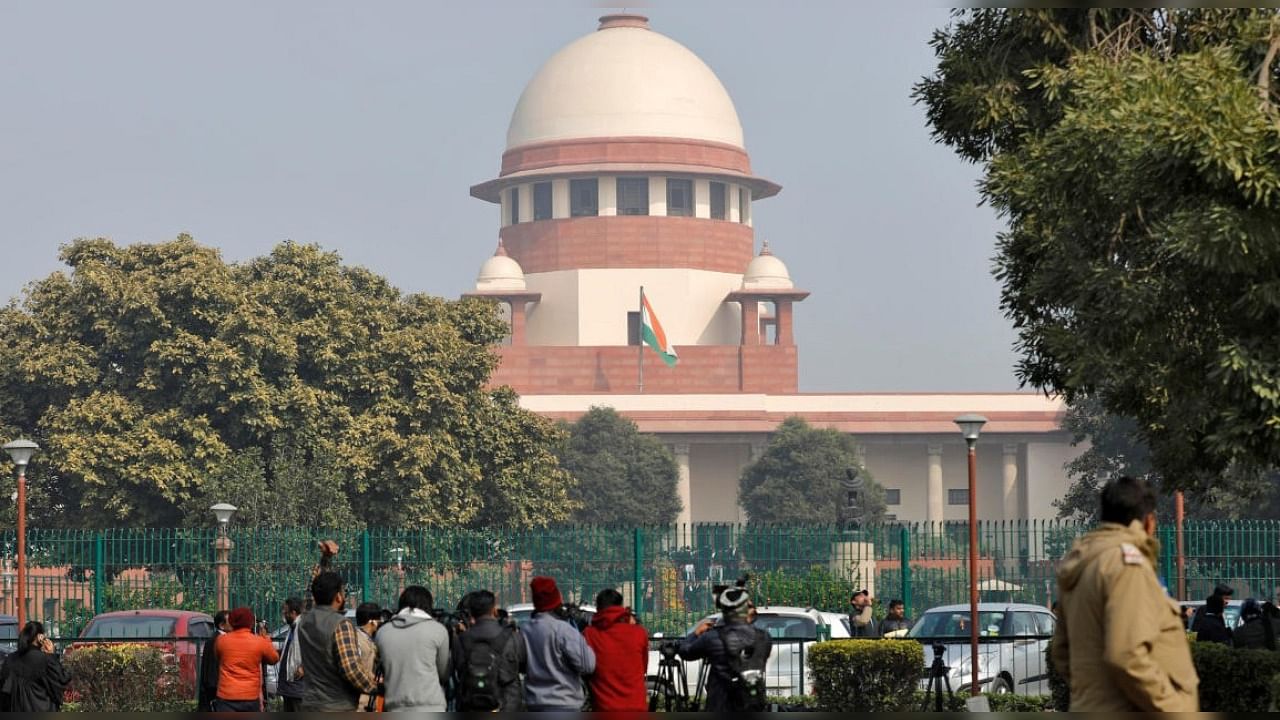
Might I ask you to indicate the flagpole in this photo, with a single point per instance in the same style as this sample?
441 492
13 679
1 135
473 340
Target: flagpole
640 345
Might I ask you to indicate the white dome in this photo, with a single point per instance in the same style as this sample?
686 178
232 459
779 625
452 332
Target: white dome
624 80
766 272
500 273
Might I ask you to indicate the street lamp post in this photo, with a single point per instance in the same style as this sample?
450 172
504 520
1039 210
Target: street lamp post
222 549
970 426
20 451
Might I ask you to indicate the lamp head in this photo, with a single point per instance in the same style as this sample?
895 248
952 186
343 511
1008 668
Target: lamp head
20 451
223 511
970 426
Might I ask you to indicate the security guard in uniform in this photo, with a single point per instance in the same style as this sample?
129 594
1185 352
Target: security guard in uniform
1120 641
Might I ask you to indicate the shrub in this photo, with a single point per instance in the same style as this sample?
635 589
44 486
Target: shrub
866 675
125 677
1059 689
1234 680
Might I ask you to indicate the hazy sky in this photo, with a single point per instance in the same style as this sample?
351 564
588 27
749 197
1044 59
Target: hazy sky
360 127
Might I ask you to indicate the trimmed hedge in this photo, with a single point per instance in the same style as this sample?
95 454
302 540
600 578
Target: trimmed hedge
866 675
125 677
1235 680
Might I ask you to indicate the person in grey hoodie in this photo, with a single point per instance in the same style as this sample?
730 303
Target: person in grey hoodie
558 655
414 650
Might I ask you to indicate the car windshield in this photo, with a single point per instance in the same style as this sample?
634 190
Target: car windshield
130 627
8 632
956 624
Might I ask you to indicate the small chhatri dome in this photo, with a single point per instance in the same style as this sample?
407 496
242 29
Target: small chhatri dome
766 272
500 272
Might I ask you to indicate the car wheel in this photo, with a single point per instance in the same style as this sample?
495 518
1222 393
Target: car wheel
1001 686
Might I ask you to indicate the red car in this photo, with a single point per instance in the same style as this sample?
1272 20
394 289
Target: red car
174 631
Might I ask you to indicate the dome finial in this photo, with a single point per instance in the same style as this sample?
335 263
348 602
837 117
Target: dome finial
624 19
501 251
764 248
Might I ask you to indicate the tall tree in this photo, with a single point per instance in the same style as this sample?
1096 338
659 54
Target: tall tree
800 478
160 378
1135 154
1114 447
623 476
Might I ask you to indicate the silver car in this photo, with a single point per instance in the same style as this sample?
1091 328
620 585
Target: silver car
1010 655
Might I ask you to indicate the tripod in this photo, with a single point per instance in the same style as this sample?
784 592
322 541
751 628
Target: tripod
670 687
938 676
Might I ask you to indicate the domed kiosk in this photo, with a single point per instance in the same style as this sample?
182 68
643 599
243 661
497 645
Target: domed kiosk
625 168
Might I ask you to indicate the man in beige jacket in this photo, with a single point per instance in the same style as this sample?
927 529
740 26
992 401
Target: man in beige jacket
1120 641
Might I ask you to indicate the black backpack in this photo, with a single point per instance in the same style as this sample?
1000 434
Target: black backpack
482 681
746 676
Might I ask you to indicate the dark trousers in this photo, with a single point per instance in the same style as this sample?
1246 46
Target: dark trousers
292 704
220 705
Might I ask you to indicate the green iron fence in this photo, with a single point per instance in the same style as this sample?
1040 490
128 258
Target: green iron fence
666 572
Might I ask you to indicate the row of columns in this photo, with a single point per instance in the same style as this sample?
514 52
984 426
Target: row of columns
935 491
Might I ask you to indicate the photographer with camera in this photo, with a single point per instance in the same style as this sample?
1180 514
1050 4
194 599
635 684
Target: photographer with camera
414 649
558 655
490 659
736 651
621 645
862 624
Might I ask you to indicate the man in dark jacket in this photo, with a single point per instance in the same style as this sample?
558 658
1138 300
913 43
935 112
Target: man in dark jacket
861 622
209 668
895 620
32 679
1259 630
621 646
498 651
330 650
736 651
1210 626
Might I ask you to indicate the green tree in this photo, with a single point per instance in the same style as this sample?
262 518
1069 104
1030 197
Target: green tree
1114 447
623 476
1135 155
159 378
800 476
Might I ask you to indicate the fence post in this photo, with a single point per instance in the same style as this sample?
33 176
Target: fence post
366 565
637 575
904 552
99 570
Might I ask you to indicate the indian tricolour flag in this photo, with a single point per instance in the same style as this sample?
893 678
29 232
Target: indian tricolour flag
652 334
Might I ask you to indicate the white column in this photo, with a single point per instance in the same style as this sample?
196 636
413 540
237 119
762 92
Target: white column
526 202
607 194
732 191
1010 486
504 215
702 198
935 493
560 198
745 210
657 196
681 451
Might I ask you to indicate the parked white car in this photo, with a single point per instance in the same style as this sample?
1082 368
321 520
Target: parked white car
793 629
1015 665
521 612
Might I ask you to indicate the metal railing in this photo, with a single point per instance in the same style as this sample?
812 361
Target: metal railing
667 573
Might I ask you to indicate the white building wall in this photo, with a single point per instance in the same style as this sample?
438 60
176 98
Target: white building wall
702 198
906 468
589 307
715 469
732 190
554 319
657 195
608 195
526 202
1046 478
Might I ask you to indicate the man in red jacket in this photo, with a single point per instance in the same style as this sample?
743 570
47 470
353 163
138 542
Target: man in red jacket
621 646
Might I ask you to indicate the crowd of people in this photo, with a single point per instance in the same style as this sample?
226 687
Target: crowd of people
417 658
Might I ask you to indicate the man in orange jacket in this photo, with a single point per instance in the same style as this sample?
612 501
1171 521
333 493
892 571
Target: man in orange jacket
240 657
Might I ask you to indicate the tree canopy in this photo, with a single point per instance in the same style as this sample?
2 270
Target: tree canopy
799 478
1135 155
160 379
624 477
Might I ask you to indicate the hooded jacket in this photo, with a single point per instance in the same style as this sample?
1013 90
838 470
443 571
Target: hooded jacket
557 658
622 659
414 650
1120 641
